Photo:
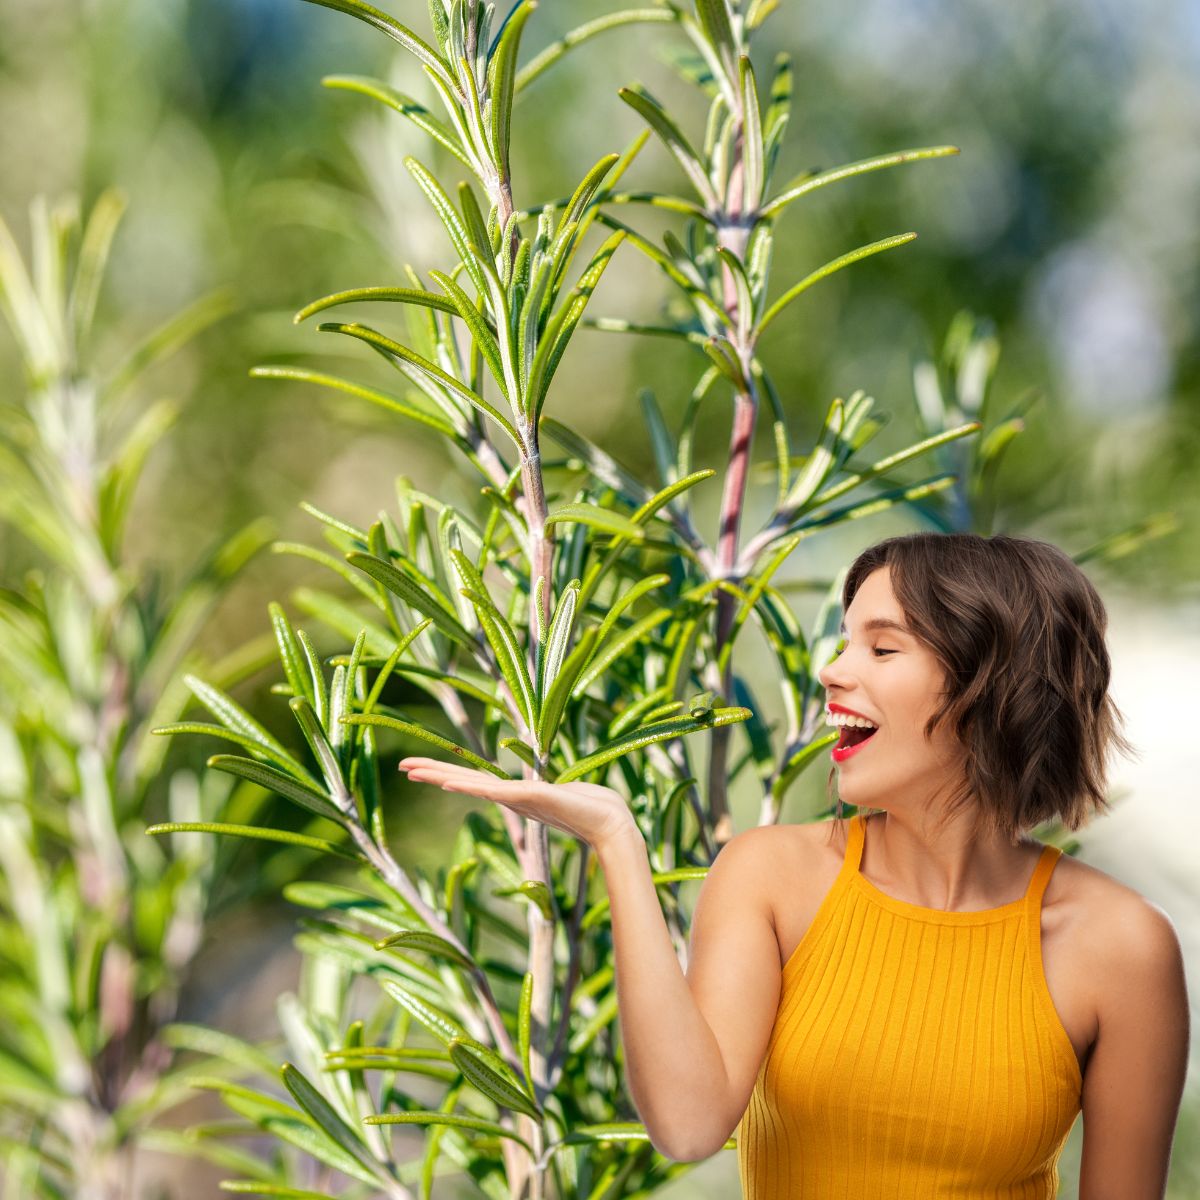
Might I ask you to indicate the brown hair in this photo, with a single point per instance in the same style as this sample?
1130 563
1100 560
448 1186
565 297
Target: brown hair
1019 631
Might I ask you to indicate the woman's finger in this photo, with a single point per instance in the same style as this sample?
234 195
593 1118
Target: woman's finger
431 775
443 771
473 783
415 760
420 763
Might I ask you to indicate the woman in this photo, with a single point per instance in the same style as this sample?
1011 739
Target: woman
917 1002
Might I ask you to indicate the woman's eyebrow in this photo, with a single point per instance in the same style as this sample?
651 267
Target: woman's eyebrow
881 623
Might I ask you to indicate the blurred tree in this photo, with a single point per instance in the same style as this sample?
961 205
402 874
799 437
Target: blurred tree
97 925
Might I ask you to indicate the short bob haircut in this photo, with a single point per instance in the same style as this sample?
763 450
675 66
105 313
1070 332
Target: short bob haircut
1019 631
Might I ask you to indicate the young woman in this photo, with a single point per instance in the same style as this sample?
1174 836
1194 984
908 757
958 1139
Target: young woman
917 1002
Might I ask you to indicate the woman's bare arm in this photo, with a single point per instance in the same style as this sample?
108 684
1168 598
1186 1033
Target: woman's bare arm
693 1042
1135 1075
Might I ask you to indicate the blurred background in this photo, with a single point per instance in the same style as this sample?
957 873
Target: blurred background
1069 220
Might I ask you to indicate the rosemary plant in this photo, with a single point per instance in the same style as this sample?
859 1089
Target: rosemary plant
577 627
98 924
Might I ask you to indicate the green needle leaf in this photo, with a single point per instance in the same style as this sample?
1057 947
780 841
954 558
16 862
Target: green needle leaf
325 754
284 761
254 832
294 666
490 1074
427 369
450 220
394 403
828 269
416 112
510 658
415 596
254 1187
599 518
673 138
329 1122
400 33
795 765
435 739
718 27
455 1119
445 1028
226 709
463 306
647 735
430 943
548 57
502 72
524 1026
276 781
752 136
398 295
803 187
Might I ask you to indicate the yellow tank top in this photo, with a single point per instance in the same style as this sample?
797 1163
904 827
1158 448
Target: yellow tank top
916 1054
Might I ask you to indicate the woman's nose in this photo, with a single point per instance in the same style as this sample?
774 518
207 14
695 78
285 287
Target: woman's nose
833 672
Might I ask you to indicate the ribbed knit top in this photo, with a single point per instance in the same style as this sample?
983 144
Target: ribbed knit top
916 1054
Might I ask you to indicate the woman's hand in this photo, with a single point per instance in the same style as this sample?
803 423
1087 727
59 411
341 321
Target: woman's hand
593 813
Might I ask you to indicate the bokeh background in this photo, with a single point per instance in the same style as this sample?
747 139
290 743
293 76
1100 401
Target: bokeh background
1069 220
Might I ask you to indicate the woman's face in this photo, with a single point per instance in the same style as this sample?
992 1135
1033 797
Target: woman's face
884 674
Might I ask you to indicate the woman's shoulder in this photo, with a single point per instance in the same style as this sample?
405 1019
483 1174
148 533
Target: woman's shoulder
802 858
1095 899
787 840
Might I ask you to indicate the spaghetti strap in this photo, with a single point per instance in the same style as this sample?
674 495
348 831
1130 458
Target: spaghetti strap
855 837
1041 876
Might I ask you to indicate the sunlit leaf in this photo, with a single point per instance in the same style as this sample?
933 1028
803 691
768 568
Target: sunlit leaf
415 596
753 151
656 117
415 111
393 294
502 72
425 53
582 33
253 832
647 735
450 220
599 518
374 395
805 185
490 1074
329 1122
828 269
277 781
427 735
455 1119
442 1026
429 370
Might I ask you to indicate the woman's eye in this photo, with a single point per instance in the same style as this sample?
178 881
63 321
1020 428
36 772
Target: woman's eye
875 650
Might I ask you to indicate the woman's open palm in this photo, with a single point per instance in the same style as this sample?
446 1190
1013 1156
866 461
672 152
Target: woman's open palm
591 812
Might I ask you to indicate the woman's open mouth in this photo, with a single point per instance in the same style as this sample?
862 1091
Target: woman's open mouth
853 739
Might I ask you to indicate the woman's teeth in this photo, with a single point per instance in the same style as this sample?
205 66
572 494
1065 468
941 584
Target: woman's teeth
846 719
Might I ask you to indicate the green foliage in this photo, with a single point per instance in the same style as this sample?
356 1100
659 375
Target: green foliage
98 925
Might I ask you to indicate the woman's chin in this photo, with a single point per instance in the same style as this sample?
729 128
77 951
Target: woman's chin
861 797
